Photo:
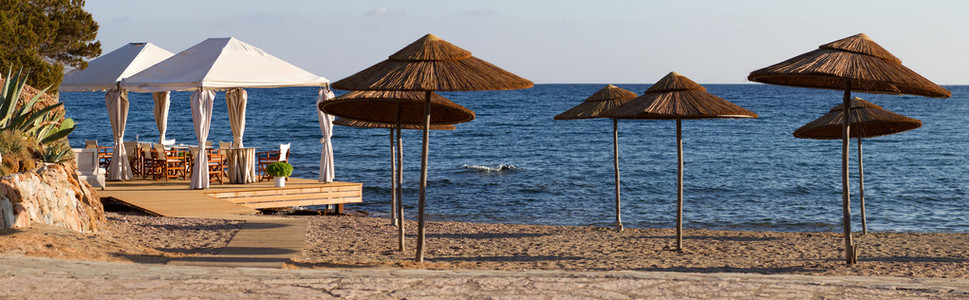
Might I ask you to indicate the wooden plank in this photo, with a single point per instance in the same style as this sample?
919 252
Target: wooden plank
289 186
283 192
350 194
295 203
175 199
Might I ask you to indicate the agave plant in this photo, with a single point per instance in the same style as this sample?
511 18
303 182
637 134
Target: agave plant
40 125
55 152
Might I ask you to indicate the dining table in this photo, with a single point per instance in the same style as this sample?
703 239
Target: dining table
241 162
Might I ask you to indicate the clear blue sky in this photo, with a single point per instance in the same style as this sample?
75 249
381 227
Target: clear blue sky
558 41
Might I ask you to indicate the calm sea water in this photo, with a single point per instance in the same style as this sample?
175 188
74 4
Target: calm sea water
514 164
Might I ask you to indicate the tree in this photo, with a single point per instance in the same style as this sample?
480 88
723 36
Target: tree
45 36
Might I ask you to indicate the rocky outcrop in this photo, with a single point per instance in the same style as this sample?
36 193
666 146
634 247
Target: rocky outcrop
52 195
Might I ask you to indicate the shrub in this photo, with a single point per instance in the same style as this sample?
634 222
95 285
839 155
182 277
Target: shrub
279 169
17 152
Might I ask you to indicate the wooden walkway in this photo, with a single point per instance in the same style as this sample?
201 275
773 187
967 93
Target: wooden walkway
263 241
175 199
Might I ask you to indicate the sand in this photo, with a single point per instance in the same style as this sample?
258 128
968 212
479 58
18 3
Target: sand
358 241
127 237
362 241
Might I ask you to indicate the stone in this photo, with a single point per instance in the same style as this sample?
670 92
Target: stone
51 195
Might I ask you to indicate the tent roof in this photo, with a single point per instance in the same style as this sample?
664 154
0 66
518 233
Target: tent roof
104 72
220 63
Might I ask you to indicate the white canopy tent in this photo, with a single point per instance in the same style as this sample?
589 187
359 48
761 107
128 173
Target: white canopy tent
105 74
219 64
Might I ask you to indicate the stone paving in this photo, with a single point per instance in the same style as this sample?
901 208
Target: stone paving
43 278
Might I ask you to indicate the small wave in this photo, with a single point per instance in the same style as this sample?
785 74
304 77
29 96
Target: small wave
487 169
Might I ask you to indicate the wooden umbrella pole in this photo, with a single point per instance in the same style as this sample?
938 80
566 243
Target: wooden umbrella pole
679 186
845 192
615 148
861 189
393 180
420 204
400 184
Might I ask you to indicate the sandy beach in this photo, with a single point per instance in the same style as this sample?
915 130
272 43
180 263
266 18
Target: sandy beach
359 241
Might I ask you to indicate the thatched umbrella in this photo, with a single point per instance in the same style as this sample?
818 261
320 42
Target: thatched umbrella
431 64
367 124
677 97
606 99
855 63
867 120
374 108
395 200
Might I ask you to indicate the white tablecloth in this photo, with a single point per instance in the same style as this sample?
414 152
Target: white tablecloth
242 164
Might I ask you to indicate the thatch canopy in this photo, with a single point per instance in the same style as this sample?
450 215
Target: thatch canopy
867 120
606 99
433 64
381 107
856 63
365 124
678 97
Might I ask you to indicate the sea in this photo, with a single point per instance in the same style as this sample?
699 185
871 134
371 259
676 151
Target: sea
515 164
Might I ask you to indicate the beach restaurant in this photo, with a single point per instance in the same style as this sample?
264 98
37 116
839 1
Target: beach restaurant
216 64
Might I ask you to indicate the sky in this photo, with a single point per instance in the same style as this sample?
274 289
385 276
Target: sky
560 41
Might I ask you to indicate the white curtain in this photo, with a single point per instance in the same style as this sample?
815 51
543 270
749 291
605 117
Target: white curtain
161 114
201 117
235 101
117 103
326 127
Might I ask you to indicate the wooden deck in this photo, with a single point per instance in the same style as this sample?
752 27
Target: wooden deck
175 199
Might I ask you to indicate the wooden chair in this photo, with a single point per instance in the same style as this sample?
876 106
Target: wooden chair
151 166
104 153
218 170
134 157
171 165
263 159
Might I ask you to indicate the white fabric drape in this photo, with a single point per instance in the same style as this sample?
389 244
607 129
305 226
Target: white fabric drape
201 117
235 101
161 113
326 127
117 103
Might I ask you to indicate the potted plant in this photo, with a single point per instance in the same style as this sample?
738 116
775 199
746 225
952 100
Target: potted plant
279 171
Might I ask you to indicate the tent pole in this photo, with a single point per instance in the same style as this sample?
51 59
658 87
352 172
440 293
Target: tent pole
679 186
421 200
861 189
615 148
850 255
393 179
400 184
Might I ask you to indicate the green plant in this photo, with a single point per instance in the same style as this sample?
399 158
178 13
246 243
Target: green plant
40 125
279 169
55 152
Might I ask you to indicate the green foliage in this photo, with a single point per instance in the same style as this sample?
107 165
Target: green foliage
41 125
46 36
55 152
279 169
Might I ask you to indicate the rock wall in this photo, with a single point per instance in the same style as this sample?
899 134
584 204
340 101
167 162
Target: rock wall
52 195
